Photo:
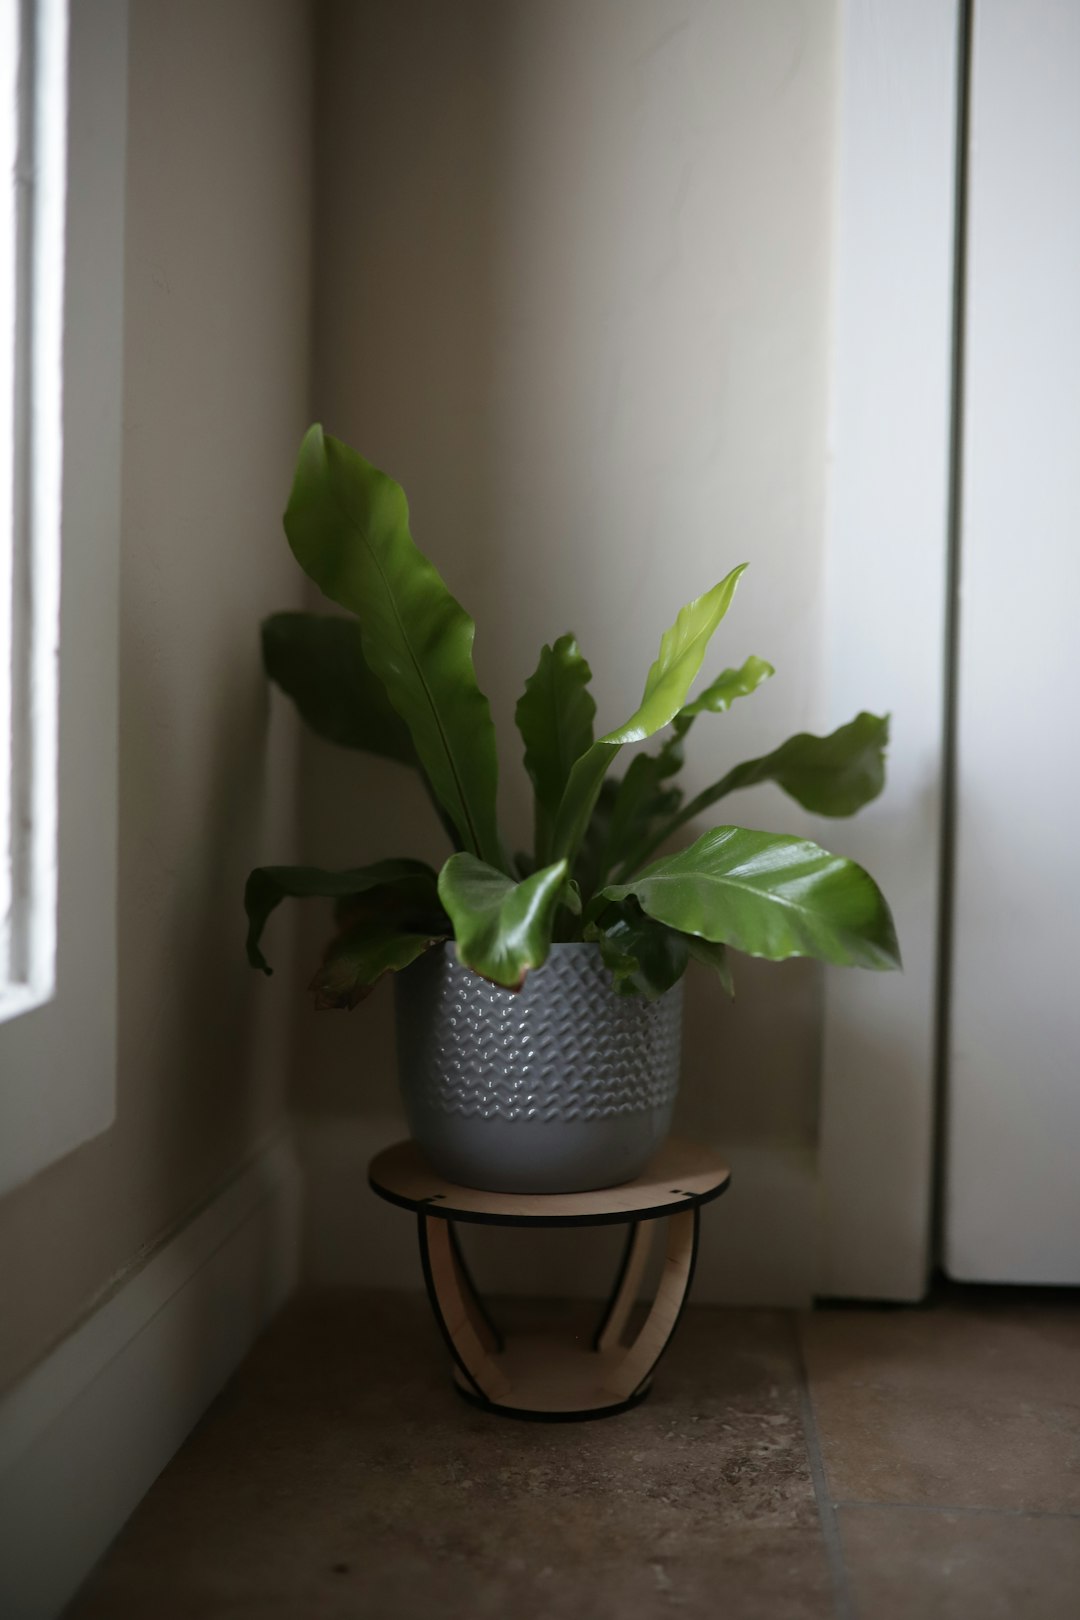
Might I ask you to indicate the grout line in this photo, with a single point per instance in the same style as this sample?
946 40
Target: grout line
949 1507
830 1529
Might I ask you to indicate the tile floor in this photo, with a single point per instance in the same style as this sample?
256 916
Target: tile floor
853 1464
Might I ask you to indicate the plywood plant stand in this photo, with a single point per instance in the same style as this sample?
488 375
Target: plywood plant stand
539 1375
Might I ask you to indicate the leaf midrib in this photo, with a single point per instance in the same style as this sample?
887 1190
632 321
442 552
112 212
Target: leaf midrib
556 711
443 738
719 878
561 739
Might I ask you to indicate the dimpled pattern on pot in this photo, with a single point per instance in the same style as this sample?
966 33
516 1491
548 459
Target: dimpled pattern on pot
561 1086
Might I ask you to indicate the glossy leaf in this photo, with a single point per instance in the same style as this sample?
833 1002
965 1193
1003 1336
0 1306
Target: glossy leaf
348 526
717 698
502 928
769 895
644 956
720 694
555 718
412 883
682 649
317 659
374 943
831 776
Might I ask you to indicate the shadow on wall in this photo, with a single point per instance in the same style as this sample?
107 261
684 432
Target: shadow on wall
199 789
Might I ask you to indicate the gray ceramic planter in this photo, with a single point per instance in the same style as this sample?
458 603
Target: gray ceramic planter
561 1087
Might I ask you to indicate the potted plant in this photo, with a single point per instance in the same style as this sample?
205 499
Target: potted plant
538 994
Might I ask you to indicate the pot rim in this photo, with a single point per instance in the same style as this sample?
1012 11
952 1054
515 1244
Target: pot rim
590 945
584 950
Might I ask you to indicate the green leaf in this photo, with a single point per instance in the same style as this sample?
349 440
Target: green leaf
373 944
643 805
771 896
348 526
555 718
720 694
682 649
645 957
319 662
588 868
639 802
712 956
412 884
640 824
571 897
831 776
502 928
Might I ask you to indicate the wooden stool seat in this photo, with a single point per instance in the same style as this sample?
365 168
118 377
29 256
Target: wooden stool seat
541 1375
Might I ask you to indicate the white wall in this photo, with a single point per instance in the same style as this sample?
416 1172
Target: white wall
1012 1204
572 278
216 396
887 585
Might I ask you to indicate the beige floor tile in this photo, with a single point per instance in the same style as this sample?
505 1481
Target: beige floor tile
340 1475
924 1564
964 1406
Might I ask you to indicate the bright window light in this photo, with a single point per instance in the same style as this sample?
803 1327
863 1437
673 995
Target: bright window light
33 136
9 235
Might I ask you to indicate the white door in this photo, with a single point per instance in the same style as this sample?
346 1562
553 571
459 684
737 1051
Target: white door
1012 1192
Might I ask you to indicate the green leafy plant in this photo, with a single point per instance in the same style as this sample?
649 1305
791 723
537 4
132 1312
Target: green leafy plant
396 678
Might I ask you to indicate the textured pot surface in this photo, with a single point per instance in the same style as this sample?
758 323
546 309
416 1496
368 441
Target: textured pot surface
562 1086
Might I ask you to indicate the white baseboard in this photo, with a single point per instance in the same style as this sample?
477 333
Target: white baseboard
758 1241
85 1434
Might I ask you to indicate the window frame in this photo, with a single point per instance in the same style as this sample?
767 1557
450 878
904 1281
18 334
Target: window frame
58 1049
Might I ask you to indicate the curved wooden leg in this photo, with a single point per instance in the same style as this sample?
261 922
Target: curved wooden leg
483 1326
635 1368
635 1258
546 1375
469 1338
